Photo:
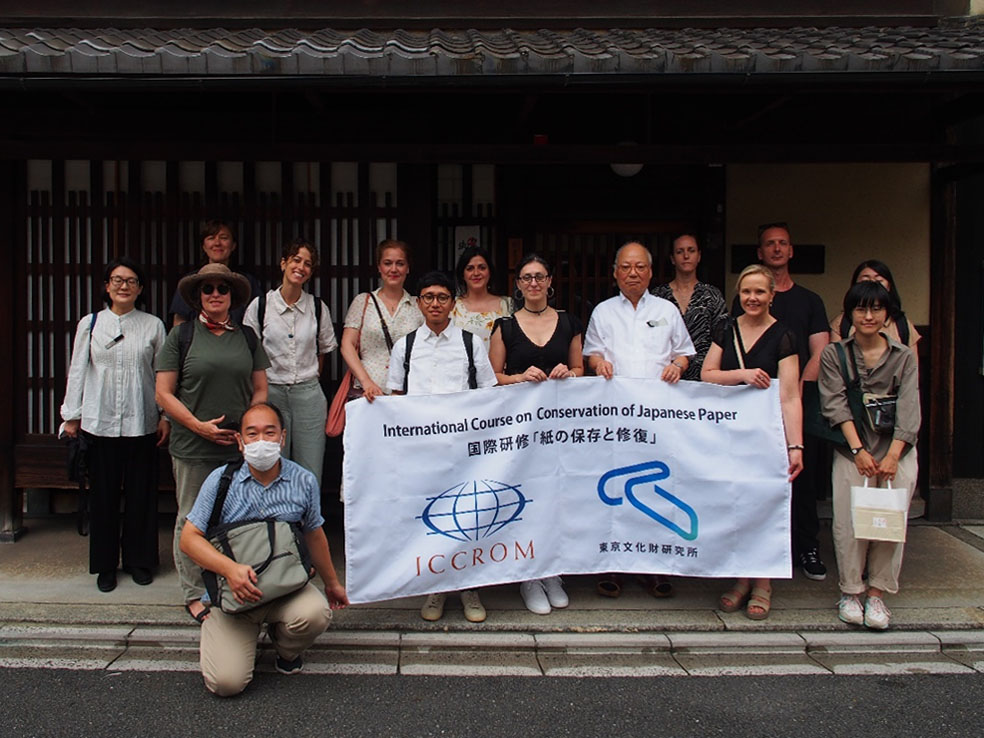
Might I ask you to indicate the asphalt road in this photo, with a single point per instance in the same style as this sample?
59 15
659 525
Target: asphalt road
35 702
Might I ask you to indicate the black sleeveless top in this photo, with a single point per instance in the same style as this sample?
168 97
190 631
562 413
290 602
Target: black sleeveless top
522 353
773 346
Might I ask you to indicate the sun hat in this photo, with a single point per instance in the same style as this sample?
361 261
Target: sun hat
190 287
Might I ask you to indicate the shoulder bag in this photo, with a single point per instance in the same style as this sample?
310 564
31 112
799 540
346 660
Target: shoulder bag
814 423
335 425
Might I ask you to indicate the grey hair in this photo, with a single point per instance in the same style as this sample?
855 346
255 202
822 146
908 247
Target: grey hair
649 256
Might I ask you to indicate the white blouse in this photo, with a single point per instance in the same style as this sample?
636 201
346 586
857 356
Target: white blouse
111 379
288 336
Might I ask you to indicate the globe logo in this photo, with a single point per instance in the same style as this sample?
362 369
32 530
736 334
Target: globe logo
474 510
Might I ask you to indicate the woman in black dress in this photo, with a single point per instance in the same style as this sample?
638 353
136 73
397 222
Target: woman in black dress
754 349
535 344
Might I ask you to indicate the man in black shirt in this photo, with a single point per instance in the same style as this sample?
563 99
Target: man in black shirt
803 312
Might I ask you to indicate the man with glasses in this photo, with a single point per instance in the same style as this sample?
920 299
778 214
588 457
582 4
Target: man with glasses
440 362
636 334
802 311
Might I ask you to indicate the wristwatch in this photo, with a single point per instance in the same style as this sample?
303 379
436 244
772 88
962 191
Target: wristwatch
856 451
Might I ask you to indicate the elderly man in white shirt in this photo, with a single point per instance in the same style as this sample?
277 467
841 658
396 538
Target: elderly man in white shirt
636 334
439 364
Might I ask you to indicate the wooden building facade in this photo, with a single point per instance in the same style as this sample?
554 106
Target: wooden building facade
503 120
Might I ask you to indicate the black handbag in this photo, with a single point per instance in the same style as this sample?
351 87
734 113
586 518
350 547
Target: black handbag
814 423
78 471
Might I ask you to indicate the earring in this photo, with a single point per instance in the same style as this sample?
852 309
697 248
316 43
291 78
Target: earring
550 292
518 295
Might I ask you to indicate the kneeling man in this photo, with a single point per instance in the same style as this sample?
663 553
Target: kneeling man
266 486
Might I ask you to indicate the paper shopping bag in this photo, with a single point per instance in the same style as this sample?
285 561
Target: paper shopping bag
879 513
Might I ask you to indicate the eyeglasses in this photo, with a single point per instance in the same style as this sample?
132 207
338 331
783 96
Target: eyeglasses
873 309
538 278
640 267
208 289
120 281
443 298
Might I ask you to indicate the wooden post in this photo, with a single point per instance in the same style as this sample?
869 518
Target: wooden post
13 195
942 271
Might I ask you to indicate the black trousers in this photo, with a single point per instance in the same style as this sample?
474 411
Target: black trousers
806 522
128 467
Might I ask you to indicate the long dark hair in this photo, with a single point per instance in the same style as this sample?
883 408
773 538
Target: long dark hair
123 261
894 305
459 269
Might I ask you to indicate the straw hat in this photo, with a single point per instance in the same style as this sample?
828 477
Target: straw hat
190 287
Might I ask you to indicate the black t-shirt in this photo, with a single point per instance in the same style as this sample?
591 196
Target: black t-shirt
522 353
773 346
803 313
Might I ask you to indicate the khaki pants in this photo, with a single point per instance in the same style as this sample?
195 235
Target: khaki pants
883 558
188 477
228 645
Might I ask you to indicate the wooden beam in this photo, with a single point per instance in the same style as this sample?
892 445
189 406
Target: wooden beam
938 422
13 188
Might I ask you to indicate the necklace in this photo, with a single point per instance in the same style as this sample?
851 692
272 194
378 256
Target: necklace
536 312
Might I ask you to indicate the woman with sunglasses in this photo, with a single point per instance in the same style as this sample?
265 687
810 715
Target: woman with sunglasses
477 308
110 401
536 344
296 332
210 371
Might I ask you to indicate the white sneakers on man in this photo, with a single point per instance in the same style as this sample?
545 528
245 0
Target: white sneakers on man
472 605
433 608
540 595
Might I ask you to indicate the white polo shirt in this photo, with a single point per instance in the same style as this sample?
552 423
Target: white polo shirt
438 363
639 341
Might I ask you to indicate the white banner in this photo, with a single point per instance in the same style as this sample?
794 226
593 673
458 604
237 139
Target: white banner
449 492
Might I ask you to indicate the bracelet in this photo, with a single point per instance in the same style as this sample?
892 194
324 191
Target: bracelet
676 365
795 447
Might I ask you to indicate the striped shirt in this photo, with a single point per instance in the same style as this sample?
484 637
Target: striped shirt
294 497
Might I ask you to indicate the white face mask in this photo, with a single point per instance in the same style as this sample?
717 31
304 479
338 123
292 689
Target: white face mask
261 455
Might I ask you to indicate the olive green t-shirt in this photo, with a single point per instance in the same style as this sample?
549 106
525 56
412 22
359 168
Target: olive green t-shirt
217 380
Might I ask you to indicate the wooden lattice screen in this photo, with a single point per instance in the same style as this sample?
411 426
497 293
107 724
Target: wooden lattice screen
70 236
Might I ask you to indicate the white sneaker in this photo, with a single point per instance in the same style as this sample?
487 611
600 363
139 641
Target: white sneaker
876 615
849 609
554 587
535 597
472 605
433 608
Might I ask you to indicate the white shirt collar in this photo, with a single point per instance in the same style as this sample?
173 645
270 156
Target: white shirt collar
281 305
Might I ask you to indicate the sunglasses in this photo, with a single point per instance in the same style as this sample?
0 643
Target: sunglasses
208 289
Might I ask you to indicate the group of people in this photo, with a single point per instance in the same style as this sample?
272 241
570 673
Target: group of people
238 376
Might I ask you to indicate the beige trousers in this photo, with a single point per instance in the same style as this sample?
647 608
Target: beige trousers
189 474
883 558
228 645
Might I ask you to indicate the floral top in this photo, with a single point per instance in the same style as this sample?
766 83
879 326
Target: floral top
373 352
706 307
480 323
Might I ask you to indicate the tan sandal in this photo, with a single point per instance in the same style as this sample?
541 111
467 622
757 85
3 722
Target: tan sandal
733 600
761 600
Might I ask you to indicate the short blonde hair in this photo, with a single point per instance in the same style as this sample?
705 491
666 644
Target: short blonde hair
757 269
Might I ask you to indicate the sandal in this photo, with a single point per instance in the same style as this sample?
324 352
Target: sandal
734 599
609 586
200 617
761 600
657 585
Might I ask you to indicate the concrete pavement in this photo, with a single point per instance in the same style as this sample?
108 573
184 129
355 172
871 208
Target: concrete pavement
52 614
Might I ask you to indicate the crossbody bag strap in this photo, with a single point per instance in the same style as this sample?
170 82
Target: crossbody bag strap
225 481
469 338
739 352
406 359
382 322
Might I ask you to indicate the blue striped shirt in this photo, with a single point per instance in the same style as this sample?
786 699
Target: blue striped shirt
294 496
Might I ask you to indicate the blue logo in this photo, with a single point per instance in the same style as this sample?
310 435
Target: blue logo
637 475
474 510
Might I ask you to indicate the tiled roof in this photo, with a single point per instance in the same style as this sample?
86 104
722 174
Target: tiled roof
438 53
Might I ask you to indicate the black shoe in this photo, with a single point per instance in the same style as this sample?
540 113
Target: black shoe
141 575
290 667
106 581
812 566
